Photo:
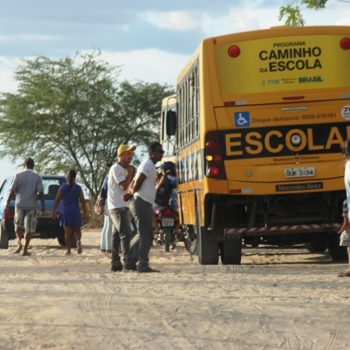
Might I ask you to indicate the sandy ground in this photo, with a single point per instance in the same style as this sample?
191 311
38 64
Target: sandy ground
277 299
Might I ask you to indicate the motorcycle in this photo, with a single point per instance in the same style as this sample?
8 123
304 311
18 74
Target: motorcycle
166 222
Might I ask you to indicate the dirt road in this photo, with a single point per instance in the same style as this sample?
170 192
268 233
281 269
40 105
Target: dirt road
277 299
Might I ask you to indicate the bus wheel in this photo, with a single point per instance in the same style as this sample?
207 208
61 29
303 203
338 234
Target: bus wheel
336 252
208 251
231 251
317 244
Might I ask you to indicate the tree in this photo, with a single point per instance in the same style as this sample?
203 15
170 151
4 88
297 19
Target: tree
292 11
72 112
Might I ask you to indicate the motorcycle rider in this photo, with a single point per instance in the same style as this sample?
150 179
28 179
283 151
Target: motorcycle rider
166 185
166 194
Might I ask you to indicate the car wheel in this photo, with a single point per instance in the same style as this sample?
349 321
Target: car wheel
4 237
62 241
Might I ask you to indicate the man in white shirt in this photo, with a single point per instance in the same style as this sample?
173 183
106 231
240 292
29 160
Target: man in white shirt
143 191
119 178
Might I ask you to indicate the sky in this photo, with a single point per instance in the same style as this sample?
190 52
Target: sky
149 39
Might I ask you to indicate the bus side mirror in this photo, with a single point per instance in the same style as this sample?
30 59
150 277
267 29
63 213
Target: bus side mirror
170 123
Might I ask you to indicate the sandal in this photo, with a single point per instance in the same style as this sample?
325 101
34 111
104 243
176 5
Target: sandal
344 274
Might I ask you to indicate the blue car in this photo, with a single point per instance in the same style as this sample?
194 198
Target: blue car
46 227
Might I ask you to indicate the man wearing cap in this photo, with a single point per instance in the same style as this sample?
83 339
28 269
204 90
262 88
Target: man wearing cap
119 178
25 187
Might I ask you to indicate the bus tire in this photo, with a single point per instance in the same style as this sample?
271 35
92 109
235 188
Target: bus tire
317 244
336 252
231 251
208 251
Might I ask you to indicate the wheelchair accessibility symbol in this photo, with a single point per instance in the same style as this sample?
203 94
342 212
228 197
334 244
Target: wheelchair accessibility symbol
242 119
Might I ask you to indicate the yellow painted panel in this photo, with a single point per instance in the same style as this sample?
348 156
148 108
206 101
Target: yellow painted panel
284 63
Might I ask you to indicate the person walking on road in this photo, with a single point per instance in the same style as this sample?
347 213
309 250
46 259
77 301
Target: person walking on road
24 188
119 178
106 233
345 228
71 195
143 192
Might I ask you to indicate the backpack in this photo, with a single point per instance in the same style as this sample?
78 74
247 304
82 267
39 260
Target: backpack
163 194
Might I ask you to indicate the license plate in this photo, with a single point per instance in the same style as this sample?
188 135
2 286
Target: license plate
307 171
44 215
167 222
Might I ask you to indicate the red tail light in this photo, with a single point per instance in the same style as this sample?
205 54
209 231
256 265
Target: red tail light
214 171
293 98
8 214
167 212
211 144
345 43
234 51
213 156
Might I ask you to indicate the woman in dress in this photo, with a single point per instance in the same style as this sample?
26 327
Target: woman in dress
71 195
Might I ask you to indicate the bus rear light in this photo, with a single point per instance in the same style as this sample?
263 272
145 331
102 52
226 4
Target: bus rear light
213 156
229 104
211 144
234 51
236 190
345 43
214 171
293 98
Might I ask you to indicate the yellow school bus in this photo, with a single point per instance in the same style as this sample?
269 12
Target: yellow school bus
261 120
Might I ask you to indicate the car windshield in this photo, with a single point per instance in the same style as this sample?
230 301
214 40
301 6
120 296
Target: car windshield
51 186
5 187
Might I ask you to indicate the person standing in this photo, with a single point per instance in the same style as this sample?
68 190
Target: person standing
71 195
24 188
106 233
143 192
345 227
119 178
